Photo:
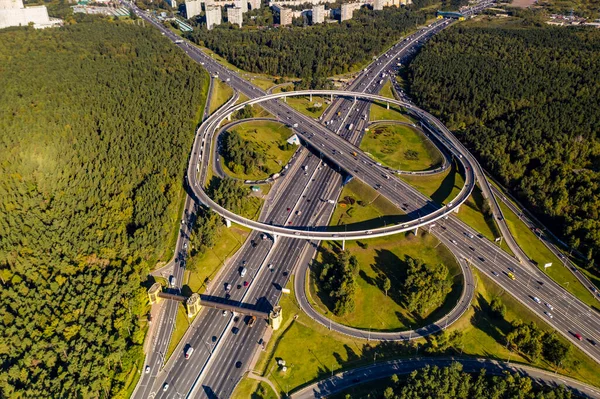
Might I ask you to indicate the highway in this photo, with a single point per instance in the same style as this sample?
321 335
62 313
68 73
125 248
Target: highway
216 378
378 371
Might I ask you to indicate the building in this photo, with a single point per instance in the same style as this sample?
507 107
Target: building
14 13
348 10
298 2
235 16
193 8
172 3
378 5
243 4
255 4
213 16
318 14
285 16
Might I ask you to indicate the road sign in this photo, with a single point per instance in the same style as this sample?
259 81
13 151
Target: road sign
547 265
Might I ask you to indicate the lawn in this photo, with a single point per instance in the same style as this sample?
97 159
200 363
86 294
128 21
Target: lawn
220 94
269 139
386 257
304 105
181 325
207 264
401 147
262 81
379 111
361 207
253 389
540 254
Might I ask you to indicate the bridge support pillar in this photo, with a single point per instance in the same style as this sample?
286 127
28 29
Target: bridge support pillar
457 209
276 317
275 237
416 230
388 105
285 99
153 293
343 245
310 96
193 305
228 223
229 117
331 98
354 98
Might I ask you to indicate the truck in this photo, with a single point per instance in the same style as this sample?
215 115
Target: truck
251 321
189 352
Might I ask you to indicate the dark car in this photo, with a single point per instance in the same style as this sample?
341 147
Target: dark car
238 364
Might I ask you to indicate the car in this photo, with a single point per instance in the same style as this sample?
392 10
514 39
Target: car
225 313
188 352
549 315
453 242
495 273
536 299
147 369
549 306
227 287
469 235
246 284
235 330
592 342
578 336
510 269
165 387
238 364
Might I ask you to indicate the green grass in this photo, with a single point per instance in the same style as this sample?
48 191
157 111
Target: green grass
386 90
375 211
380 112
540 254
484 334
386 256
220 94
181 325
207 264
268 137
262 81
401 147
304 105
253 389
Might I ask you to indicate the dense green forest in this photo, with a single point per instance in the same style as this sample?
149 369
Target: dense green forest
337 279
453 382
97 120
426 286
316 51
525 100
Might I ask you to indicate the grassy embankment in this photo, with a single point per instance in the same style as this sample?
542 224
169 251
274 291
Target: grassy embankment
401 147
269 138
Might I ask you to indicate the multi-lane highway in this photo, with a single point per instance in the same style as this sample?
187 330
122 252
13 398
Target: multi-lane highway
225 344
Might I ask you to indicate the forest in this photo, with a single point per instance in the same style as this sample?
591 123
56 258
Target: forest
337 279
97 120
426 286
308 52
524 99
453 382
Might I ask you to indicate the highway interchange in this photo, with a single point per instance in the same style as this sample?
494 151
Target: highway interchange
224 345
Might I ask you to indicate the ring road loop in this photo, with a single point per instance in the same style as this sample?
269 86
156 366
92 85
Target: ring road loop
203 144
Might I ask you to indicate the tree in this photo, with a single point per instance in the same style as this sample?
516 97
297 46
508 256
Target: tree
554 350
425 287
497 307
387 284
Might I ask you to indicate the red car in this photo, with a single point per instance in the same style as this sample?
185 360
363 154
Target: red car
579 337
288 209
246 284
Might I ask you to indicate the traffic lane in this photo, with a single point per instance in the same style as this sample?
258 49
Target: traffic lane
525 289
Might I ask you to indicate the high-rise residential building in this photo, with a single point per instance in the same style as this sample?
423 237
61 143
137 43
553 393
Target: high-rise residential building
285 16
14 13
318 14
243 4
192 8
348 9
378 5
255 4
172 3
213 16
235 16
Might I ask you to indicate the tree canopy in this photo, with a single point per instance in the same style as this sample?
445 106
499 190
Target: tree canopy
97 120
525 100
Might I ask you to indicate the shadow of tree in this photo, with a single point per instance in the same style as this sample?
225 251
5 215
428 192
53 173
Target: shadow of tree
388 264
484 319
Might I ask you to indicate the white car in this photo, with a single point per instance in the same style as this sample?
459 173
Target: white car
549 306
147 369
166 386
535 298
225 313
549 315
